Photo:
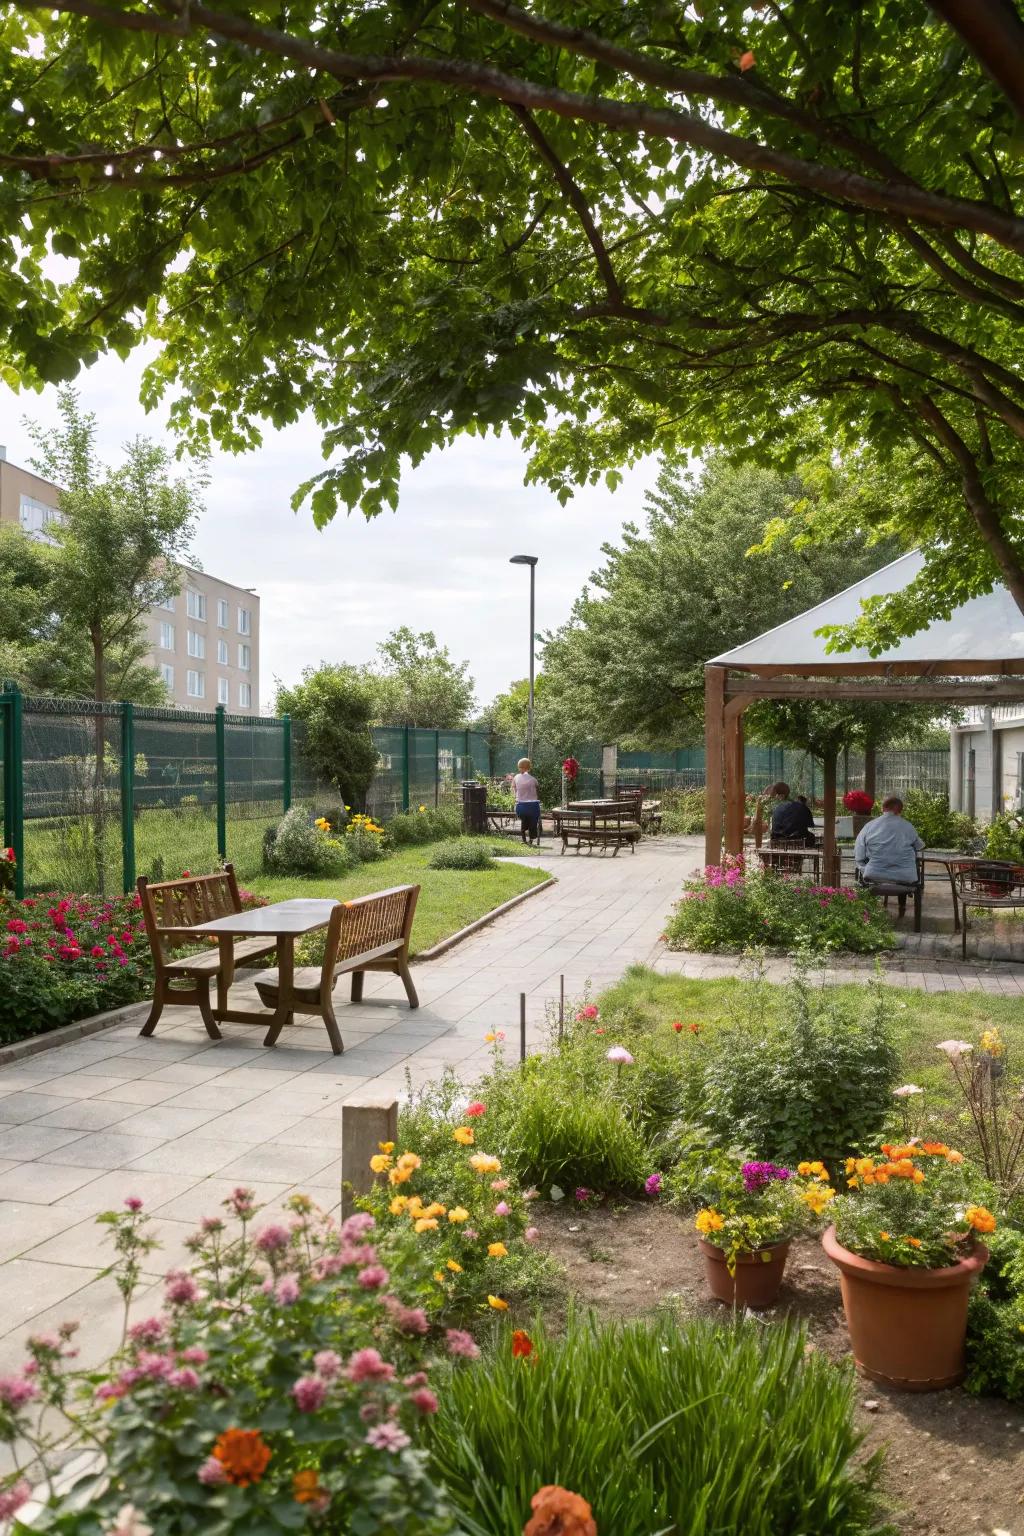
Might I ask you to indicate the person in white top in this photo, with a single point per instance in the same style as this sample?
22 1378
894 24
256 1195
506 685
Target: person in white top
527 793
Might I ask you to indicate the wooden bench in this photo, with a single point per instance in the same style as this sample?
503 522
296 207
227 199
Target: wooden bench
612 824
170 909
996 885
369 933
901 889
786 855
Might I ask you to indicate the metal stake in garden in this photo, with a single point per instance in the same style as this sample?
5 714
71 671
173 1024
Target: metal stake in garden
522 1026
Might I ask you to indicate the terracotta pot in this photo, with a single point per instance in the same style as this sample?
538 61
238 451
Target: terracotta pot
907 1326
757 1278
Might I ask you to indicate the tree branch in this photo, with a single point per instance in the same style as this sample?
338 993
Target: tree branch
470 77
994 33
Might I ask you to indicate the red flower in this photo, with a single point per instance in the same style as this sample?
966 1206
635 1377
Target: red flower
571 769
522 1345
476 1108
859 802
589 1012
695 1029
677 1025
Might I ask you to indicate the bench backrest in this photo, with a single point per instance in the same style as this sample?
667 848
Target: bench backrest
171 907
369 922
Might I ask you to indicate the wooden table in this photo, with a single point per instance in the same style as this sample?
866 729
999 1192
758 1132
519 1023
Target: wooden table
284 921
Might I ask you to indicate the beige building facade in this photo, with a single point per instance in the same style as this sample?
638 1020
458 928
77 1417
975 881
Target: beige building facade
205 642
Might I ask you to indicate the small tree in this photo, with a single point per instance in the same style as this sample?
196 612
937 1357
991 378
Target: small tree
421 684
335 704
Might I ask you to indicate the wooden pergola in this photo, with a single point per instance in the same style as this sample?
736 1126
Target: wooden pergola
976 656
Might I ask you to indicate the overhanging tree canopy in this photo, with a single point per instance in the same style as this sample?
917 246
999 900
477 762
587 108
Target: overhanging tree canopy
612 228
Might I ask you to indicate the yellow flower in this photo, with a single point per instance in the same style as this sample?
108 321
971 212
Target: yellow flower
422 807
398 1205
497 1251
497 1303
380 1162
435 1208
709 1221
409 1160
482 1162
884 1236
992 1043
414 1206
463 1135
439 1277
458 1213
426 1224
386 1146
980 1218
455 1268
399 1175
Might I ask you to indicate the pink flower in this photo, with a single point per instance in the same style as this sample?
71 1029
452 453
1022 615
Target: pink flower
185 1378
367 1365
15 1391
287 1292
619 1054
194 1355
310 1393
180 1288
417 1379
407 1319
44 1341
476 1108
653 1184
17 925
212 1472
110 1391
12 1499
589 1012
424 1400
502 1208
150 1331
327 1364
462 1344
531 1194
499 1185
242 1201
531 1234
271 1240
133 1203
357 1226
387 1437
374 1278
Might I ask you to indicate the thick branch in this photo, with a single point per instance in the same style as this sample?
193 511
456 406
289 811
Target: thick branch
994 32
973 292
470 77
1007 410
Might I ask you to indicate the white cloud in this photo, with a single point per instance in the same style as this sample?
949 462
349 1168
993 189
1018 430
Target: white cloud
440 562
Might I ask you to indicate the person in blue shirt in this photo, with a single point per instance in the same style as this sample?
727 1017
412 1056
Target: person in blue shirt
887 847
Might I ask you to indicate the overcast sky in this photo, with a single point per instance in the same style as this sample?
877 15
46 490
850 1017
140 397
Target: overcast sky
440 562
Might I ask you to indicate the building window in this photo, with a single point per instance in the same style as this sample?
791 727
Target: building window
166 636
196 685
222 652
222 612
245 695
167 673
36 516
167 603
197 645
195 603
244 658
223 691
244 622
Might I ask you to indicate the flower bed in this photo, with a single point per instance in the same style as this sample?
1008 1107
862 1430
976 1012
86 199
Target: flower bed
732 906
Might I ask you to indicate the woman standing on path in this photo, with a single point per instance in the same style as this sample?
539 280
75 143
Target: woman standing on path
527 793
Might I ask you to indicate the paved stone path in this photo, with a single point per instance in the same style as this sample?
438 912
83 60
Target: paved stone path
180 1120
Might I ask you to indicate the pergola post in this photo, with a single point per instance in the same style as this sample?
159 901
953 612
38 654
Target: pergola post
714 736
735 798
831 872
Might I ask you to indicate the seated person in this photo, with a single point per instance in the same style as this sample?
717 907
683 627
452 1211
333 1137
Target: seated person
887 847
791 819
527 793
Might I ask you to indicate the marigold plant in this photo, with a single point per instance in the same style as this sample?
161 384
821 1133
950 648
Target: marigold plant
914 1205
753 1205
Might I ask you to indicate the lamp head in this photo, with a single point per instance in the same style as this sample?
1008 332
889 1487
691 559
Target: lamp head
523 560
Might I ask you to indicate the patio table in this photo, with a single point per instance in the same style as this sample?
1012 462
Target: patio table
284 921
946 858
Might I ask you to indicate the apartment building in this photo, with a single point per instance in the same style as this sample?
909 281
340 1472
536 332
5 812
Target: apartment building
205 642
986 764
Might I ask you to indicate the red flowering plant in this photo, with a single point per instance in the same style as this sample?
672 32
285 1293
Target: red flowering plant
282 1384
859 802
8 868
571 770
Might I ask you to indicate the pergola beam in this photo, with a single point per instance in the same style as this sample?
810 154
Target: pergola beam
933 691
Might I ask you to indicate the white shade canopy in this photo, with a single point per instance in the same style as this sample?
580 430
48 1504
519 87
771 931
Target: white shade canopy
989 628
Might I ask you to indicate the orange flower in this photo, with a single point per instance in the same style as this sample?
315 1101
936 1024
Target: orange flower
915 1242
884 1236
244 1454
522 1345
980 1218
954 1157
934 1148
557 1512
306 1486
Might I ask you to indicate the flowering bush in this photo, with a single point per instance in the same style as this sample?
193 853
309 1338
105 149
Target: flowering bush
731 906
365 839
754 1204
8 869
65 957
299 846
858 802
917 1206
449 1215
283 1384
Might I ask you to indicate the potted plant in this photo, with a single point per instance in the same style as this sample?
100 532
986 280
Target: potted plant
906 1242
753 1211
860 805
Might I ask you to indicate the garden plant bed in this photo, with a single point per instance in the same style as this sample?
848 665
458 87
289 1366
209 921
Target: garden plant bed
954 1463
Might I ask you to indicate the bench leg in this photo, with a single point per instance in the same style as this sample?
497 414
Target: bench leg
331 1024
407 982
357 986
918 896
154 1012
963 931
206 1012
278 1023
901 906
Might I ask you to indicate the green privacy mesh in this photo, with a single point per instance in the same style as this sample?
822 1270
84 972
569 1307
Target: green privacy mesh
71 778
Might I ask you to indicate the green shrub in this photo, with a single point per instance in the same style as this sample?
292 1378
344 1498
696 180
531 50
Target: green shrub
425 824
556 1133
699 1430
995 1321
298 847
937 825
815 1082
1004 838
682 811
462 853
730 906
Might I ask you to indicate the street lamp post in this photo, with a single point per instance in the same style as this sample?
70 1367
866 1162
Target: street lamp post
531 561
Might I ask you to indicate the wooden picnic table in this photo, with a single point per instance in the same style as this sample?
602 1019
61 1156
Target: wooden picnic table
284 921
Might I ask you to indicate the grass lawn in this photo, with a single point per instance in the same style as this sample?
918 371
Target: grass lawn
449 898
920 1020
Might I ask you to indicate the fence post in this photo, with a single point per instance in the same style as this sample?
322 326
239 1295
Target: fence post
127 797
405 768
14 801
222 787
437 767
286 774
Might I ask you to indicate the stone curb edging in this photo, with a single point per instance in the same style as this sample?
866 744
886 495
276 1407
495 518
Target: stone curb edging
20 1049
481 922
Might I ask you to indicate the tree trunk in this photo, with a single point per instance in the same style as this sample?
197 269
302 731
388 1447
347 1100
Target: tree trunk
870 768
99 791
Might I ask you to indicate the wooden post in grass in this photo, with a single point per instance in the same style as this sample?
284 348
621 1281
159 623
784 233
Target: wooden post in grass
561 1008
365 1123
